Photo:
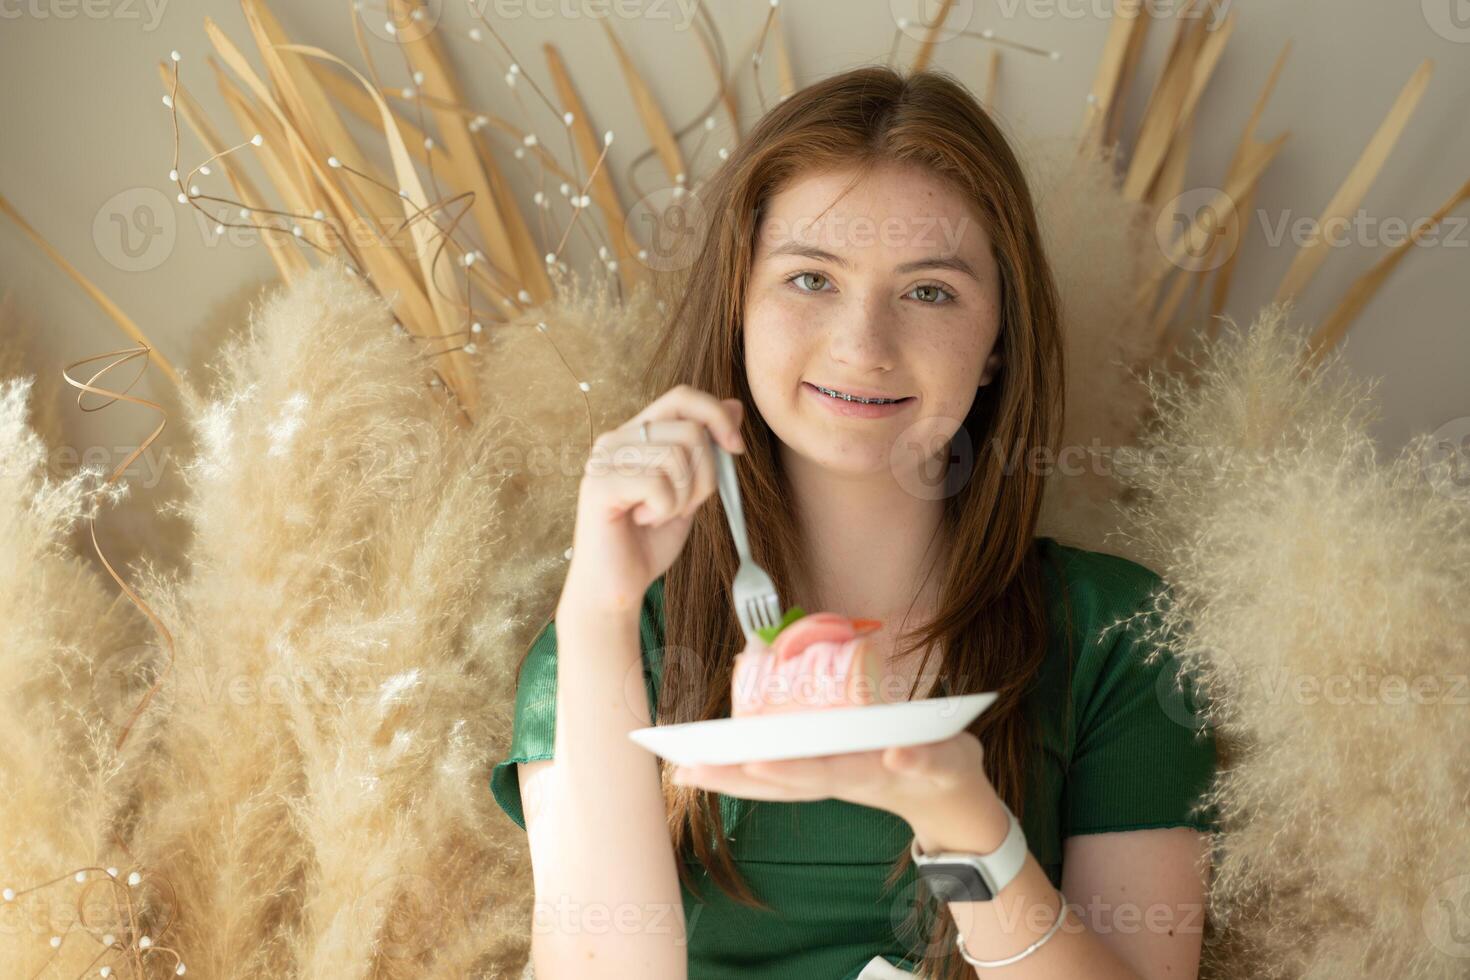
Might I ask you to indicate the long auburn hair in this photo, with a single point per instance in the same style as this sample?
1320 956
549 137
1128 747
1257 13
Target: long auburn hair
991 626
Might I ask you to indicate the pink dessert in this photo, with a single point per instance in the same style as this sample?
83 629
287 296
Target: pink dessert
821 660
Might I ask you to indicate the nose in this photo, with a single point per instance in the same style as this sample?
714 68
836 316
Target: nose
863 334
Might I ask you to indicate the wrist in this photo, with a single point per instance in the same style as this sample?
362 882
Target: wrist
973 821
583 600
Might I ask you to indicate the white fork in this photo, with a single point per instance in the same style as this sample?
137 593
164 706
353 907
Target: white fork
756 604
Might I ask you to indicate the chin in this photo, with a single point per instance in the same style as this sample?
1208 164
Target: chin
847 453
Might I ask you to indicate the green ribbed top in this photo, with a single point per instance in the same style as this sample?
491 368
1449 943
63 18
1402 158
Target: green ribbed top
1128 755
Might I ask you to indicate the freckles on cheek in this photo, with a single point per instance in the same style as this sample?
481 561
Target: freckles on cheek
966 348
773 339
953 365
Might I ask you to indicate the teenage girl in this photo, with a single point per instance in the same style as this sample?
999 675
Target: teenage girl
870 325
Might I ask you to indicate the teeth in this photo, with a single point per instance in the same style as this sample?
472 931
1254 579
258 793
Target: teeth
863 401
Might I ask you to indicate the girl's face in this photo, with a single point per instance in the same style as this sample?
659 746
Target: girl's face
893 293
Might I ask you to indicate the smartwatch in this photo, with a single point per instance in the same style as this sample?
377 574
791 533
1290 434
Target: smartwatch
958 876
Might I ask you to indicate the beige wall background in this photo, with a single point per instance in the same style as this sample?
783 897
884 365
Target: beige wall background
84 133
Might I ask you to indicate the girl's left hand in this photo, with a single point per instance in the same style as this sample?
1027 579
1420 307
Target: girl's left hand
912 781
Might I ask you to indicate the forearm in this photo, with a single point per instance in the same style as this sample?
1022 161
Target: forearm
610 902
1022 912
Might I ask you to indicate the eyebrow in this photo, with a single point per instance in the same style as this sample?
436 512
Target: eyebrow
931 262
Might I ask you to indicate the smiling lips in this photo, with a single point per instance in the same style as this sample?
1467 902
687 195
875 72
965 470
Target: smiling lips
854 407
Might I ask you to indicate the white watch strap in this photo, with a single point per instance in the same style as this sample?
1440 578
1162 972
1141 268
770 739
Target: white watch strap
1002 864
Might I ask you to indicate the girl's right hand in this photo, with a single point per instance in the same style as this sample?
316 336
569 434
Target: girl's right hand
637 500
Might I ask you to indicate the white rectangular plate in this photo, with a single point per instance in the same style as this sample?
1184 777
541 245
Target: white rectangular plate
802 734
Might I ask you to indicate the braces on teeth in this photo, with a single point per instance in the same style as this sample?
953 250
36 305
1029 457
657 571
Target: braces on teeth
866 401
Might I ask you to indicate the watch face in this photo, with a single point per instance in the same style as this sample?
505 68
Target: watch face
953 881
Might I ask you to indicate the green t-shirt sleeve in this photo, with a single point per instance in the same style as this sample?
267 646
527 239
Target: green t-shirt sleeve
1141 758
533 734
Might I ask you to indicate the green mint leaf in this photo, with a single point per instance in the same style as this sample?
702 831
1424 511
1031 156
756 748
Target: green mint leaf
768 633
